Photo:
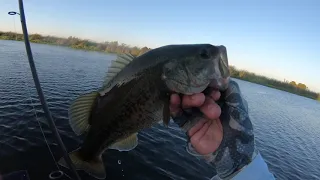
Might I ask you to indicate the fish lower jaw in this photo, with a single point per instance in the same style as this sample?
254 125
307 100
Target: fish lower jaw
192 90
182 88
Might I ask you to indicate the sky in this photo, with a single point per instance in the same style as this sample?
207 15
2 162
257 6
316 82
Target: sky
279 39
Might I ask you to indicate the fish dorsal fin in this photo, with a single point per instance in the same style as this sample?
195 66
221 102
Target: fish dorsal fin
116 66
79 112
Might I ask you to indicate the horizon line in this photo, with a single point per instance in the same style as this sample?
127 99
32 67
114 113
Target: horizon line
91 40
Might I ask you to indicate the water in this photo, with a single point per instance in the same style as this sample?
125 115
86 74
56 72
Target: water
287 126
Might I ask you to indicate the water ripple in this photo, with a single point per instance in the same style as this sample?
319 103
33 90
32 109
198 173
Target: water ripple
287 127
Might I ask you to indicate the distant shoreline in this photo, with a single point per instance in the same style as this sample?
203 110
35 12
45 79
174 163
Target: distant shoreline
117 48
291 87
76 43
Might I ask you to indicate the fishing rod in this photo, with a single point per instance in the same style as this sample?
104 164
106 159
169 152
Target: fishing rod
40 93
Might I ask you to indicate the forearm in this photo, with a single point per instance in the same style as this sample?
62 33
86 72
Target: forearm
237 148
243 159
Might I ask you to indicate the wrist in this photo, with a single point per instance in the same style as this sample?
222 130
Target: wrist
226 163
230 173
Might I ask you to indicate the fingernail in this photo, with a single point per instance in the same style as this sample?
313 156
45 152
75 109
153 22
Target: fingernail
193 97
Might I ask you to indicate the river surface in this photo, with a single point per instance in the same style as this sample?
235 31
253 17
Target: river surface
287 126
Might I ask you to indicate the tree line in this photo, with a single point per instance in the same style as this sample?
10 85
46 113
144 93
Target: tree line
74 42
292 87
116 47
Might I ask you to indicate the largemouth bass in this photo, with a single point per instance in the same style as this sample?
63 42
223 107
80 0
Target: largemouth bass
135 95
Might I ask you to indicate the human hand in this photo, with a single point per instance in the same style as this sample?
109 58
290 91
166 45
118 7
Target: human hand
230 138
206 135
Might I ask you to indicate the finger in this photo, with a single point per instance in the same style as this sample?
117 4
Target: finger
195 100
174 104
196 137
175 100
215 95
196 127
210 109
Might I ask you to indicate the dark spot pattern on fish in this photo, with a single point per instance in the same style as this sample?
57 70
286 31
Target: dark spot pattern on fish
132 109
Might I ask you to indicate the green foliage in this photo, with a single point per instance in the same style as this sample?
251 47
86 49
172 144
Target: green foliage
300 89
293 83
302 86
76 43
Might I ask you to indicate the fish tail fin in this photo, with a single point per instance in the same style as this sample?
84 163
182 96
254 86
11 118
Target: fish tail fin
93 167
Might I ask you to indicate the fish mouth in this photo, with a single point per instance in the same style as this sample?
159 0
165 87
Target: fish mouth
186 89
188 85
219 83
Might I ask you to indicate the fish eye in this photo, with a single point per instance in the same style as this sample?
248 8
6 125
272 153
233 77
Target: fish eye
204 54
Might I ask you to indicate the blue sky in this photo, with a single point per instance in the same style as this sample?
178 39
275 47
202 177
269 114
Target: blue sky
280 39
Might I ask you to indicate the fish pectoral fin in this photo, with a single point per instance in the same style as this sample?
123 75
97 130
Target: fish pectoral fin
79 112
126 144
94 167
